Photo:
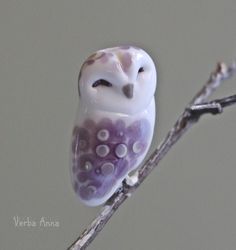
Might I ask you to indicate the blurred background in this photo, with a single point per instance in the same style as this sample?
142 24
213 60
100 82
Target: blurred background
189 201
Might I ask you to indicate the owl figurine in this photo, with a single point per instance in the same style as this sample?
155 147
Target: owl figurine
115 121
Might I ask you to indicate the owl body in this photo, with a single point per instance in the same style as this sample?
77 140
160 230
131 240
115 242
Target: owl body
115 121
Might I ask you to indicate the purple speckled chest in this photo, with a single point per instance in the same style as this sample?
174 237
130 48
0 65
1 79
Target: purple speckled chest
105 152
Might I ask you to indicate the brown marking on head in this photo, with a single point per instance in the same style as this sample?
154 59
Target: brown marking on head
95 57
106 57
92 56
126 61
100 56
90 60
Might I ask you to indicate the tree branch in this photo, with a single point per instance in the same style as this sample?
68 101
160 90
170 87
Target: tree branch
196 108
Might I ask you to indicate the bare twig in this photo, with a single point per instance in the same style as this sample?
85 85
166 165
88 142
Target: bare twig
196 108
213 107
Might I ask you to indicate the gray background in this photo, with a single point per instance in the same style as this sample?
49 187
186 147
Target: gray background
189 202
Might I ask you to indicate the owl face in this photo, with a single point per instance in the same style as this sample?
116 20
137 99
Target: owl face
120 79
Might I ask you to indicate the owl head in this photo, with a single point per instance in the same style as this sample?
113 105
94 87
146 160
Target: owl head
119 79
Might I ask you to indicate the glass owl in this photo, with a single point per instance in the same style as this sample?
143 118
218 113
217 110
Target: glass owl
114 122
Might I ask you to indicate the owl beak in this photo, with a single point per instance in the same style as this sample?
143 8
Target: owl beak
128 90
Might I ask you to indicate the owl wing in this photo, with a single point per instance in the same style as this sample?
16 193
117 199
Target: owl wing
103 155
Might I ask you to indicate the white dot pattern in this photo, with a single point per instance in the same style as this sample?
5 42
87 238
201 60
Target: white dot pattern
90 190
88 166
102 150
121 150
137 147
107 168
103 135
